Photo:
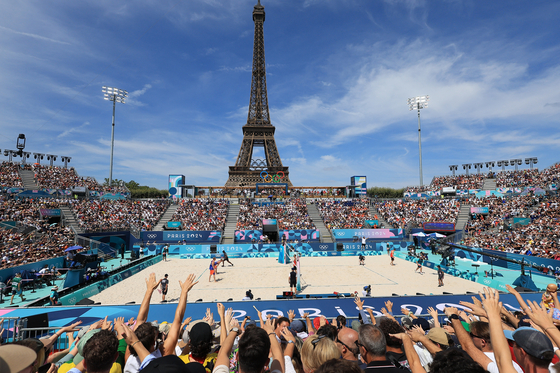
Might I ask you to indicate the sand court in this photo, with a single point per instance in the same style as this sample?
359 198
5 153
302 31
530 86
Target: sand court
267 279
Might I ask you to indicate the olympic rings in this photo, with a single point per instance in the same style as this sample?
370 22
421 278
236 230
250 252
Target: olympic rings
272 179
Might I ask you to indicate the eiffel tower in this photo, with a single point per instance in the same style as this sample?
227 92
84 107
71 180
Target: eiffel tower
258 132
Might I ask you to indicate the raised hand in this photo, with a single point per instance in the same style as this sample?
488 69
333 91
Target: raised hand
188 284
359 303
288 336
475 308
71 328
450 311
151 282
389 306
291 315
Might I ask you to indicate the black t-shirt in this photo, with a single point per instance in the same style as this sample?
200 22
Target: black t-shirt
164 284
293 276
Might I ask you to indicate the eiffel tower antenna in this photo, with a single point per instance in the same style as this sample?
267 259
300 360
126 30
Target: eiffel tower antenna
259 131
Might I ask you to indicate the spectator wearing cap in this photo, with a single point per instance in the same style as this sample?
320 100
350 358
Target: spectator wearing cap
373 348
477 342
346 343
200 345
298 327
53 298
16 359
533 350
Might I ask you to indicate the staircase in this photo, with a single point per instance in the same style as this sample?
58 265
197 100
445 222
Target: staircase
231 224
489 184
382 222
70 219
167 215
28 180
463 217
315 216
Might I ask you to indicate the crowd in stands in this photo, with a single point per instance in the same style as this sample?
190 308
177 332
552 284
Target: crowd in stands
344 214
291 213
115 215
46 241
500 210
484 336
413 213
529 178
459 182
201 214
541 237
9 175
66 178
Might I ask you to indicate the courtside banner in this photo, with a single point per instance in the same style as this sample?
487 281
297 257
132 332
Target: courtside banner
368 233
479 210
192 236
329 307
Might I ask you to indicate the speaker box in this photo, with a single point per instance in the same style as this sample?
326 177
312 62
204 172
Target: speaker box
213 249
36 321
339 246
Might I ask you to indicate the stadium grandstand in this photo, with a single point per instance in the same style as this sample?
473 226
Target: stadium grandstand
74 242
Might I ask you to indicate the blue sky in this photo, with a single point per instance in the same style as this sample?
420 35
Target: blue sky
339 73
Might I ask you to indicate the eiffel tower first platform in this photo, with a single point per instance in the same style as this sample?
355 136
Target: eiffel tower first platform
258 132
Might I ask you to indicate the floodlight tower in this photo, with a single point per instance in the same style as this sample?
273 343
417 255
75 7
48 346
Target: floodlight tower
531 161
516 162
419 102
503 164
489 165
51 158
453 168
478 166
467 167
115 95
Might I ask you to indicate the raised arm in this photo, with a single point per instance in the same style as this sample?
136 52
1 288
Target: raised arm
411 355
151 285
465 339
490 301
173 335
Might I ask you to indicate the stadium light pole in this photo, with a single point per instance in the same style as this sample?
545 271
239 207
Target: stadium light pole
515 162
503 164
489 165
453 168
477 166
531 161
419 102
115 95
467 167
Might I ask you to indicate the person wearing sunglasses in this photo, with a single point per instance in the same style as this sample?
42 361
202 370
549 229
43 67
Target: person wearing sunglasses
346 343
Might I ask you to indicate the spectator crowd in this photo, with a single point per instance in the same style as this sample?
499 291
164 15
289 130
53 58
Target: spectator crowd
114 215
201 214
482 336
291 213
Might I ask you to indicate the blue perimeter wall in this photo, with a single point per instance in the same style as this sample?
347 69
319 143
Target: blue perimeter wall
331 307
272 250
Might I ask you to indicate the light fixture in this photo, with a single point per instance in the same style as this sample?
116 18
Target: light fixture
419 102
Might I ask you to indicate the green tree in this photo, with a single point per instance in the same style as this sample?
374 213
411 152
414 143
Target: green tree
382 192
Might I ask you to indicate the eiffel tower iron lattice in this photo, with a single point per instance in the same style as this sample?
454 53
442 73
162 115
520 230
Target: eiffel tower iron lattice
258 132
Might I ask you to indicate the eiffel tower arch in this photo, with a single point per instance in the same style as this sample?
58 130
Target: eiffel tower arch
258 132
